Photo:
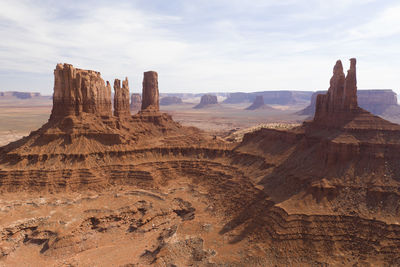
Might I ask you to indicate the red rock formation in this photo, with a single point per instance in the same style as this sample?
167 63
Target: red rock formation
150 95
341 99
206 101
121 98
382 102
77 91
136 101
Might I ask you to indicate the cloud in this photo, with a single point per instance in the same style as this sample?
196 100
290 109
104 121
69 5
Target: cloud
197 46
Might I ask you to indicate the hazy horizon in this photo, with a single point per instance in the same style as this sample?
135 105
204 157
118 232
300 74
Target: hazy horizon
201 46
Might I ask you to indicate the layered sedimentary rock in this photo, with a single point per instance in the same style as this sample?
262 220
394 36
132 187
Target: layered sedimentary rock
121 98
170 100
382 102
314 195
259 104
136 101
207 101
150 94
79 91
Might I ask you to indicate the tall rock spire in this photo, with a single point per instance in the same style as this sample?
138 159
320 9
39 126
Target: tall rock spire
341 98
121 98
150 95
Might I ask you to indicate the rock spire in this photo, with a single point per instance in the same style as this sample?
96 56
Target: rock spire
121 98
341 98
150 95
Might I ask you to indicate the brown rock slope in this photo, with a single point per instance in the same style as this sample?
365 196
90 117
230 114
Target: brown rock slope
142 190
337 180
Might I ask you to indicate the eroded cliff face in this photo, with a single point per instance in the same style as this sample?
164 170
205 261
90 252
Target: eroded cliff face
150 94
121 98
79 91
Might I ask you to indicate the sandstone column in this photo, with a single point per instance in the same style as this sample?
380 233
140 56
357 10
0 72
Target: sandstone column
121 98
150 95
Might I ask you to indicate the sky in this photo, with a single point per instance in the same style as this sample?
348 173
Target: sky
199 46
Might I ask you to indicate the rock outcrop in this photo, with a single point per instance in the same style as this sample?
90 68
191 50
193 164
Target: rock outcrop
79 91
207 101
136 101
340 102
259 104
170 100
150 94
121 98
382 102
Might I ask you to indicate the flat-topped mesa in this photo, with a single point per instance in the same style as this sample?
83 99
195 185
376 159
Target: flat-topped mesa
341 98
121 98
150 95
136 101
79 91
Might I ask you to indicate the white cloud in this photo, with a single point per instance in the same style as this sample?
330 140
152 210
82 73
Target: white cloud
202 46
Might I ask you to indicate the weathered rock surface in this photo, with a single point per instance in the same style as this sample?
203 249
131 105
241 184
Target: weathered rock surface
150 94
136 101
170 100
168 195
259 104
79 91
207 101
121 98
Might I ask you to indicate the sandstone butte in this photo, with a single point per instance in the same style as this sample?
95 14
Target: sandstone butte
207 101
259 104
93 189
136 101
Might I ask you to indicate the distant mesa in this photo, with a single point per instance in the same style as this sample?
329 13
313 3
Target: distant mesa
121 98
136 101
207 101
283 97
170 100
19 95
258 104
